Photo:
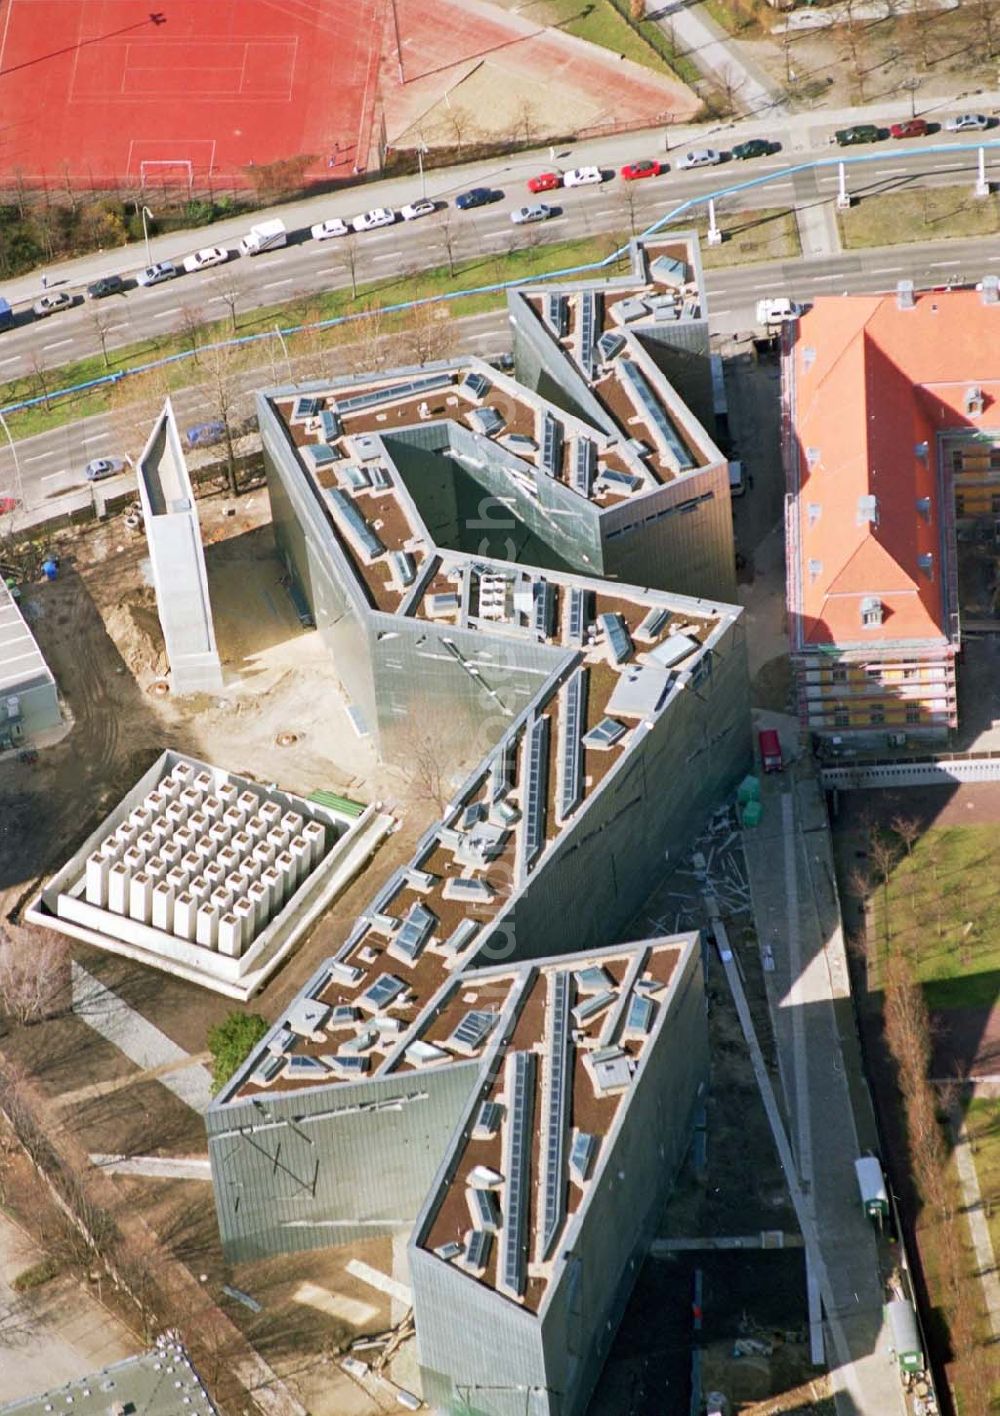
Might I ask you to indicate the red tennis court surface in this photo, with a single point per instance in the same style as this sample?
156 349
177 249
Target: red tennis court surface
112 91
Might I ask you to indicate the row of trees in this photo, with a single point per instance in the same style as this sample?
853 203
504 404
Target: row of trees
929 1112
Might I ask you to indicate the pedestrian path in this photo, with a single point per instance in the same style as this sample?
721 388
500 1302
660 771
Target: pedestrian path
979 1230
141 1042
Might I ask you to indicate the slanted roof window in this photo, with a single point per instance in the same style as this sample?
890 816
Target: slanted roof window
815 569
926 564
924 508
867 510
815 512
871 612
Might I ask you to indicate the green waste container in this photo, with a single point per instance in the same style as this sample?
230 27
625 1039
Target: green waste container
752 812
749 790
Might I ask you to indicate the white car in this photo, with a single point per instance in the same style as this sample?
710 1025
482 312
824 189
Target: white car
425 207
380 216
776 310
967 123
323 230
699 157
539 212
208 256
582 176
156 274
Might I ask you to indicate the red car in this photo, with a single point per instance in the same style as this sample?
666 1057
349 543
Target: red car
546 182
632 171
7 505
912 128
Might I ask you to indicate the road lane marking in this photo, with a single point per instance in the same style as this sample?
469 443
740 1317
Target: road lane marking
49 475
12 360
59 344
273 284
165 314
386 256
884 270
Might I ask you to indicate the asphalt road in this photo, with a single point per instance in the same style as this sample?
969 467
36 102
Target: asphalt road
306 266
51 463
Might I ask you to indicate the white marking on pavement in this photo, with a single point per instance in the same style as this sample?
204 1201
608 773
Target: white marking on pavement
154 1167
885 270
273 284
49 476
941 265
12 360
165 314
59 344
375 1279
386 256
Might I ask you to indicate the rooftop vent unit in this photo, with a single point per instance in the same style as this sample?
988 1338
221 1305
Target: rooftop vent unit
815 569
905 298
974 402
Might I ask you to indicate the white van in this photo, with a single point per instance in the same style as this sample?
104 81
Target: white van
777 310
267 236
737 479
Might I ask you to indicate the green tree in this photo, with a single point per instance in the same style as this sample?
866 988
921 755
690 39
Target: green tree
231 1043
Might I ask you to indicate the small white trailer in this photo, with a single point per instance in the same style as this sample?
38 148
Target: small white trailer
266 236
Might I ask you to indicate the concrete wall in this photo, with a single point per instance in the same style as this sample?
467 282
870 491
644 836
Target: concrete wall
309 1168
170 519
600 873
501 1360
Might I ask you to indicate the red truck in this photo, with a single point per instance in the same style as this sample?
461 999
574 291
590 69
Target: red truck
770 750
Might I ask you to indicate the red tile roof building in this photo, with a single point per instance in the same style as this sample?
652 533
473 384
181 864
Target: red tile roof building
888 406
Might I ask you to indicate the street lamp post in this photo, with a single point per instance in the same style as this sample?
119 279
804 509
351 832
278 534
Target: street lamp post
911 86
284 349
145 232
18 484
421 154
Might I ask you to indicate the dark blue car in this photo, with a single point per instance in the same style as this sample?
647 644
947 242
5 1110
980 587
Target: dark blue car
205 434
477 196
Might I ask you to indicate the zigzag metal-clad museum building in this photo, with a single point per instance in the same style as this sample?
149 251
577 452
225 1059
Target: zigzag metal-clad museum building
531 574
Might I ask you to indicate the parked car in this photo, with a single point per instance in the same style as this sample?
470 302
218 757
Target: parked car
378 216
646 167
754 147
333 226
6 314
770 750
776 310
476 197
413 210
48 304
523 215
157 273
205 434
107 285
545 182
912 128
207 256
699 157
103 467
860 133
967 123
582 176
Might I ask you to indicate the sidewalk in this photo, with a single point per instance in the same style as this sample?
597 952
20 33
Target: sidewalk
787 863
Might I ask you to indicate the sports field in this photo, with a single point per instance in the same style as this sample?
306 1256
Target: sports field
112 91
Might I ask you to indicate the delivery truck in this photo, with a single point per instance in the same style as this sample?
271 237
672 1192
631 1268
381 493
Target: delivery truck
871 1184
267 236
770 750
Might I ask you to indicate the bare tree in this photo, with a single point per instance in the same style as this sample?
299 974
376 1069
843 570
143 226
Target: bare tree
986 19
459 125
731 83
135 404
428 333
908 829
18 1321
424 757
448 236
882 854
347 249
367 349
229 288
101 321
525 120
628 197
190 321
34 976
40 375
221 383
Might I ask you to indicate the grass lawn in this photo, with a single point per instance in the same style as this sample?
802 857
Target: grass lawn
982 1121
943 907
525 263
767 235
929 213
600 23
